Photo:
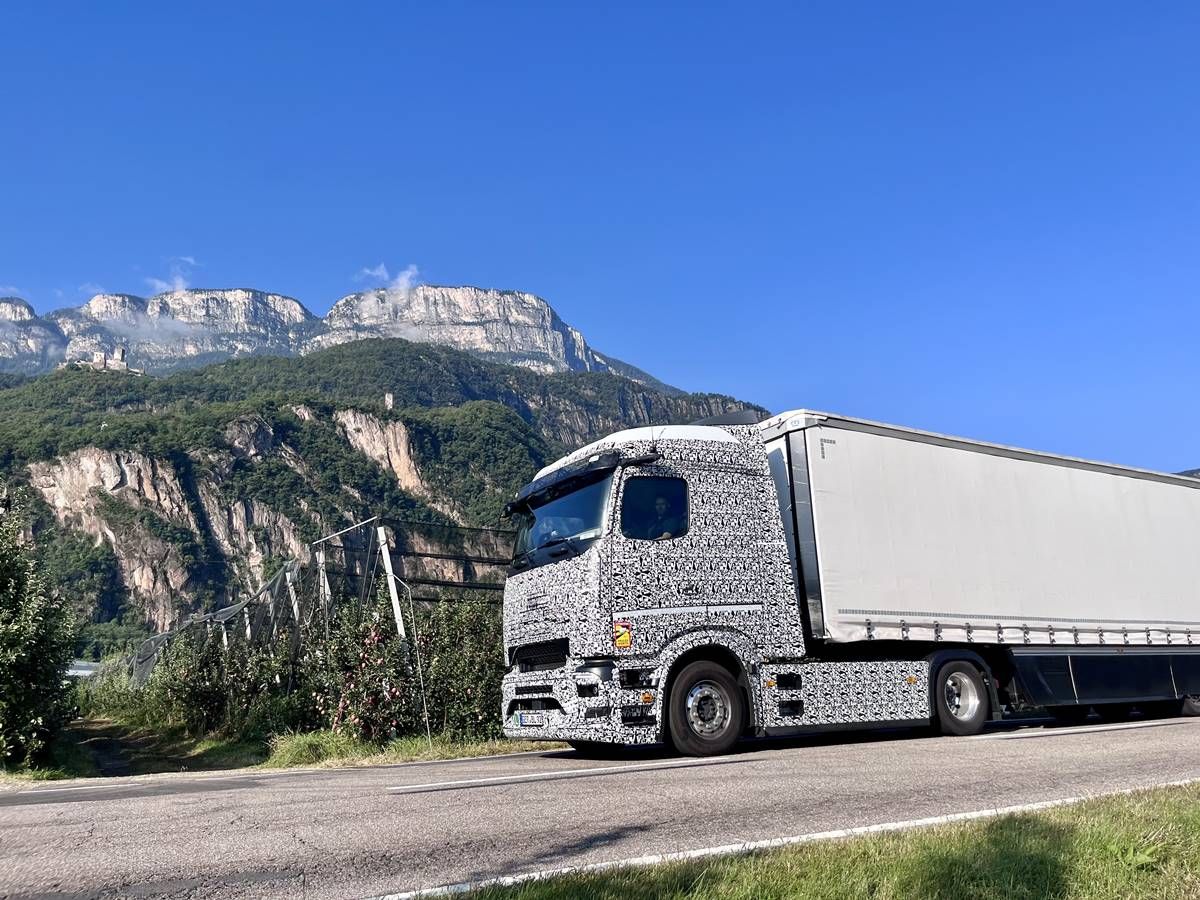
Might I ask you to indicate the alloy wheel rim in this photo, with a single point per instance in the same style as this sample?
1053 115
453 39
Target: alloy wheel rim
708 709
962 696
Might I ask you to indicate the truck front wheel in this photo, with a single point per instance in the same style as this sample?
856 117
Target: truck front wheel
960 699
706 710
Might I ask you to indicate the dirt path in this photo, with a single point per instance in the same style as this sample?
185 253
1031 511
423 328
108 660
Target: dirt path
101 741
115 749
105 743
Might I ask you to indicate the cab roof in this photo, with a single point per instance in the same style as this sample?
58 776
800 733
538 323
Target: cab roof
654 433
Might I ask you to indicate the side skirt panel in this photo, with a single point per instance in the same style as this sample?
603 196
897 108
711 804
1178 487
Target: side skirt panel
1086 675
822 694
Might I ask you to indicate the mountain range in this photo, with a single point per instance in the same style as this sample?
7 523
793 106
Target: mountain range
155 497
194 327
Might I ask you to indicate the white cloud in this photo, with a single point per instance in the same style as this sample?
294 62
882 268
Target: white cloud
400 285
139 327
91 289
404 282
375 273
9 290
179 271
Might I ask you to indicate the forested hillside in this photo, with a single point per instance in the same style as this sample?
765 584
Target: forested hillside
158 496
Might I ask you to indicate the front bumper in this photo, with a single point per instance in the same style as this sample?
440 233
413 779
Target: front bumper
581 703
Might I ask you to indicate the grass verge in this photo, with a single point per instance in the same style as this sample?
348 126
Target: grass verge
327 748
101 747
1137 845
90 748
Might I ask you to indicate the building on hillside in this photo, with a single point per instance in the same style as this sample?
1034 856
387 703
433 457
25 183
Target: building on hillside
102 362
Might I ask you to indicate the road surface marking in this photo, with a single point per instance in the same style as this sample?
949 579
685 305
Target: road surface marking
568 773
1079 729
768 844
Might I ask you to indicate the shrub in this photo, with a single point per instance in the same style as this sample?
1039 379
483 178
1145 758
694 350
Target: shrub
37 635
462 649
362 679
360 683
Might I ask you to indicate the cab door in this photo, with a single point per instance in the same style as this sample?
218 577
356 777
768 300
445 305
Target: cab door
656 590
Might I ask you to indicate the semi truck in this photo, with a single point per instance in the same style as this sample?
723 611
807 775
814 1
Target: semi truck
695 584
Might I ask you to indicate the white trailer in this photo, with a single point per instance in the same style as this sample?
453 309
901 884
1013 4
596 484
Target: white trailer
912 535
818 571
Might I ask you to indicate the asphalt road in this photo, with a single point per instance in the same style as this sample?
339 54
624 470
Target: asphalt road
371 831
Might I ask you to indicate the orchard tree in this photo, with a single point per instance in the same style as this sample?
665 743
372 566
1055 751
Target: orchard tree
37 636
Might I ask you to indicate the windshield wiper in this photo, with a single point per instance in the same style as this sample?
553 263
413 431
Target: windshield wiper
568 542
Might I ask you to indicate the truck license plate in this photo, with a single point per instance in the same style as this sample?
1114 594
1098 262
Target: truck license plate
531 720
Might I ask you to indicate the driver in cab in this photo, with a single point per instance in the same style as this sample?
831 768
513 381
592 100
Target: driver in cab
664 522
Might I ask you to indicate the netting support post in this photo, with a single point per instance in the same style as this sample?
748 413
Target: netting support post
323 589
385 554
290 580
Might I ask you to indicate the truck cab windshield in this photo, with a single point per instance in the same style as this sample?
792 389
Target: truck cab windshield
565 518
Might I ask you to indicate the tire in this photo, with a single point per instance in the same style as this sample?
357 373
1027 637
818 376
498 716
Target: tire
1191 706
1113 712
960 699
1071 714
706 712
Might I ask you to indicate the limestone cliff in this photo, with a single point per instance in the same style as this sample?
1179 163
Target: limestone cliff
192 327
124 498
387 443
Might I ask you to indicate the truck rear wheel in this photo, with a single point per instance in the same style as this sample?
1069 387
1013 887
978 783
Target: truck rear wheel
960 699
706 712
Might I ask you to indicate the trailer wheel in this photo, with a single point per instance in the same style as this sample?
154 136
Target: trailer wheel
706 711
960 698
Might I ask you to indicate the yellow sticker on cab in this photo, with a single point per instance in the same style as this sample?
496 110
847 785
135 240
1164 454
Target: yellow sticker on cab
622 634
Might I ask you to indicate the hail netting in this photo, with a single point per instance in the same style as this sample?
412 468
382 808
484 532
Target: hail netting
419 567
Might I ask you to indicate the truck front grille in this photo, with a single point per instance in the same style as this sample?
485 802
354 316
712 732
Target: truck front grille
540 657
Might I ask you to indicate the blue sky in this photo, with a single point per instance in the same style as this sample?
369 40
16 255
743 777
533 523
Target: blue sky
979 219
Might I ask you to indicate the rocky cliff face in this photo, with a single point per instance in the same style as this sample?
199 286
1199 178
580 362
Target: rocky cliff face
513 326
170 330
388 445
170 532
27 344
14 309
125 499
194 327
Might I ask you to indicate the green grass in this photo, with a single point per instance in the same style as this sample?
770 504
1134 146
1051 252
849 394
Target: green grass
327 748
1138 845
98 747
